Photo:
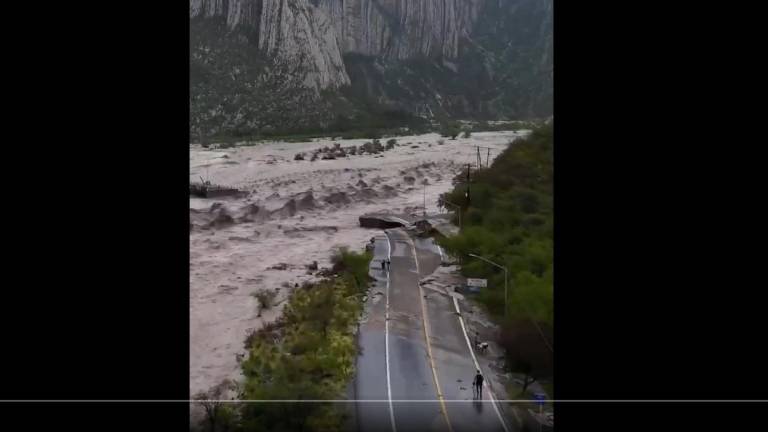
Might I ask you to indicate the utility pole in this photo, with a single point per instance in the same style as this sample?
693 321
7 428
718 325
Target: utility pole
467 194
487 158
479 158
458 212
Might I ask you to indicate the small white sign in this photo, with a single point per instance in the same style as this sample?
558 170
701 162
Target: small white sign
477 282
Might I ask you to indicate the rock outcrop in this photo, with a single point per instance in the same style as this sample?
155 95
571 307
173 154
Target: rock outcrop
265 65
312 35
298 36
401 29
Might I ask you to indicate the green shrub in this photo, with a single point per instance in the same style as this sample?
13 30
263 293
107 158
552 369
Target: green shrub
313 357
266 298
450 129
353 264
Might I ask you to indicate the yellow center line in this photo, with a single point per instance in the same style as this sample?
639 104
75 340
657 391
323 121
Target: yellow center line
426 337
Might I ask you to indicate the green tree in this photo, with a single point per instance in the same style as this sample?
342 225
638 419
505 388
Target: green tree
450 129
218 416
526 350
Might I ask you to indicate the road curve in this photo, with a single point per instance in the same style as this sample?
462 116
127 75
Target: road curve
397 361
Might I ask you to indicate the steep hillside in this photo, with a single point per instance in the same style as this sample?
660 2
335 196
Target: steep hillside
261 65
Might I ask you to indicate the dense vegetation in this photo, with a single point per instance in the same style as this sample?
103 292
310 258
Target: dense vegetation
379 124
309 353
508 219
484 126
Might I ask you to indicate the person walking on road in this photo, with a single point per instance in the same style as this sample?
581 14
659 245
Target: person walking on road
389 264
478 385
383 265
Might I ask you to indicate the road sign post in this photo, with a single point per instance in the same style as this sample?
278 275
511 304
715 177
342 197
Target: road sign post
506 308
474 285
480 283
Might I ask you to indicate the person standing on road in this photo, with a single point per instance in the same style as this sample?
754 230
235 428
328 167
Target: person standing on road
389 264
478 384
383 265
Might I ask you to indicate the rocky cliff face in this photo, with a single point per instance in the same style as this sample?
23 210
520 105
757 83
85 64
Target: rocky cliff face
481 57
401 29
298 36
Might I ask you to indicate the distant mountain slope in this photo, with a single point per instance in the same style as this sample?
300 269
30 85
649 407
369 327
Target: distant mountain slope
260 65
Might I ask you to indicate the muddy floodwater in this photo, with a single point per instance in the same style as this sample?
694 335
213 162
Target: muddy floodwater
296 212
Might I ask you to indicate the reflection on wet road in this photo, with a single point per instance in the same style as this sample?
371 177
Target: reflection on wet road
418 371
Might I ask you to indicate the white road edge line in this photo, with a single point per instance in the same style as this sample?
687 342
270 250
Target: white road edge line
386 339
477 365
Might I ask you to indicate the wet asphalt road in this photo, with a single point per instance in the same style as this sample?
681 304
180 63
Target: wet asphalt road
411 371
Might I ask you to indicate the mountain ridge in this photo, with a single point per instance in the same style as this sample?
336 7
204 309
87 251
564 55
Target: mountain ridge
277 64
